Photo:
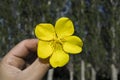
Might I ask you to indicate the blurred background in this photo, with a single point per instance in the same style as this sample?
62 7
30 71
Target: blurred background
97 22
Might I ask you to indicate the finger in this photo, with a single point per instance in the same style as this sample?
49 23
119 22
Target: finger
16 55
37 70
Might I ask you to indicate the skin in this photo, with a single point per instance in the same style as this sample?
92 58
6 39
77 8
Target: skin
16 66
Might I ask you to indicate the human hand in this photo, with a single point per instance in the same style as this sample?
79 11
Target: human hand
15 67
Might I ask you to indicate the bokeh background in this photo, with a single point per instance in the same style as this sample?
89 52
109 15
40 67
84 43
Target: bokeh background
97 22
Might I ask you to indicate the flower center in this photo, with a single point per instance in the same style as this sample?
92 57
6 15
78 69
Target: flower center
57 40
56 43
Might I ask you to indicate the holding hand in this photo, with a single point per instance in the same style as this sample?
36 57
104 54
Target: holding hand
15 67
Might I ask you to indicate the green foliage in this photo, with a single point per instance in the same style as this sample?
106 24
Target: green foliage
96 22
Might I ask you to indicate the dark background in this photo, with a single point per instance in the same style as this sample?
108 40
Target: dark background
97 22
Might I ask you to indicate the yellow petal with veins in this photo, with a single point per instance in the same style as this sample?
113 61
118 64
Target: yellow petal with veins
59 58
44 49
74 40
45 31
64 27
72 44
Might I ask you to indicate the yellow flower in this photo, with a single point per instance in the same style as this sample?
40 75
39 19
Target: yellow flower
56 42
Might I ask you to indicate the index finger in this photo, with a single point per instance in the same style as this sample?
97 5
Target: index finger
16 55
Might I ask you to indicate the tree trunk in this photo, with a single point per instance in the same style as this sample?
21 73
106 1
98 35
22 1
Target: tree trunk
71 69
114 75
82 70
50 74
71 75
93 76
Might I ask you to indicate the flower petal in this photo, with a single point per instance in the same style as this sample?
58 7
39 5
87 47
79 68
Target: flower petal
64 27
74 40
71 48
44 49
45 31
73 44
59 59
